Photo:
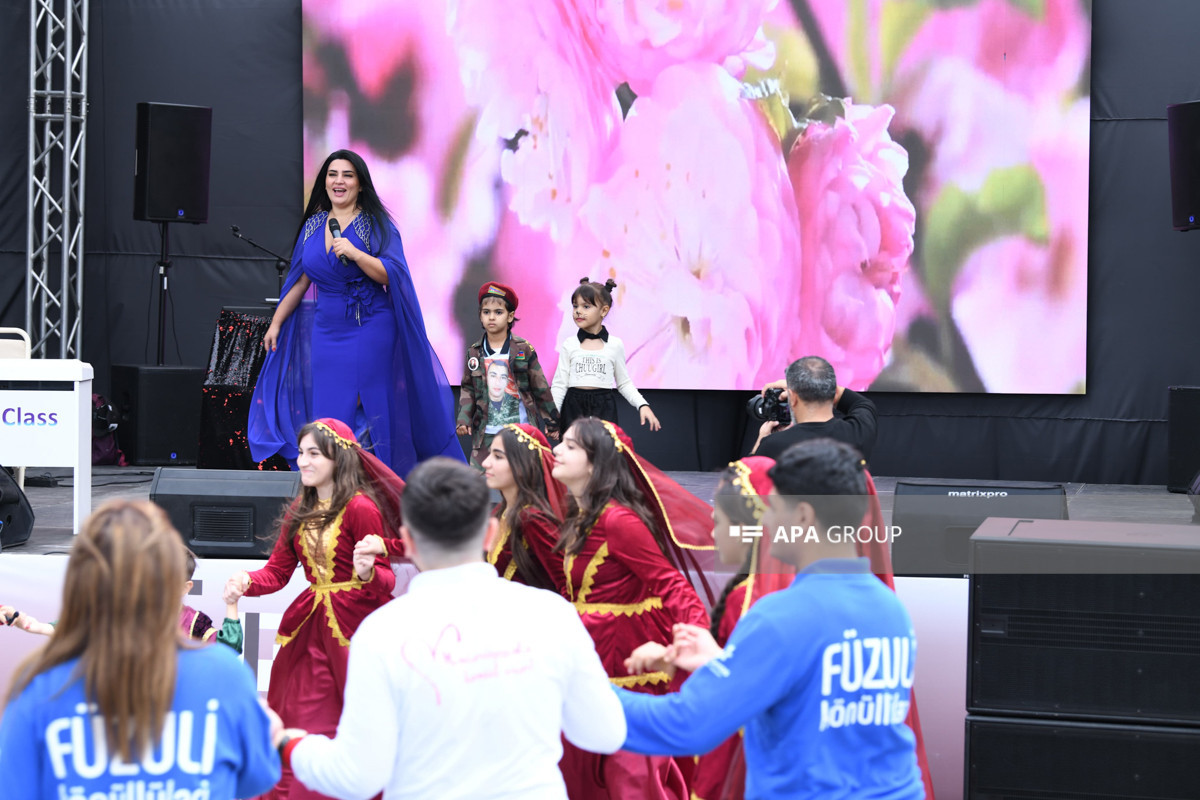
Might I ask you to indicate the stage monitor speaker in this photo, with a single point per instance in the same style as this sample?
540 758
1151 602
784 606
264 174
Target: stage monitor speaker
936 520
16 515
225 513
1085 620
1183 436
1183 135
159 411
1010 759
172 162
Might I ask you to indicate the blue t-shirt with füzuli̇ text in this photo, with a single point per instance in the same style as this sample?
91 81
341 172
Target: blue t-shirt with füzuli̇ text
215 742
820 674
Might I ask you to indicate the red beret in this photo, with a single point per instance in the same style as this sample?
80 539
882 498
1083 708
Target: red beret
493 289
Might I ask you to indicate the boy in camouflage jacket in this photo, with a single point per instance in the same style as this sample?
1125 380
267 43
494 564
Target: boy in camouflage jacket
502 381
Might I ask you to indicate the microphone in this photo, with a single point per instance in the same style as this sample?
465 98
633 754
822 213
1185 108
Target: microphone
335 228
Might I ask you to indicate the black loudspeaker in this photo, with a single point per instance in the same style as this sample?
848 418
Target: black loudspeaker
1085 620
159 411
170 182
225 513
936 520
16 516
1183 436
1183 134
1038 759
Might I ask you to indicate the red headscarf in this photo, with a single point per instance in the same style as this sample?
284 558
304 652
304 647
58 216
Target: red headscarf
767 573
535 440
386 485
686 519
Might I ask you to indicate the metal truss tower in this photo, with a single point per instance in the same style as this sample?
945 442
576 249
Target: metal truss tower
57 135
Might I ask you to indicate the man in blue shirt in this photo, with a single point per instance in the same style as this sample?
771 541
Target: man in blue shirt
818 674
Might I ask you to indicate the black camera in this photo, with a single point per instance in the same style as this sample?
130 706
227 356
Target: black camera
769 406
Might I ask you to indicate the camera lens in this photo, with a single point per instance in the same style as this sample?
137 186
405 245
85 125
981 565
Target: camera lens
757 407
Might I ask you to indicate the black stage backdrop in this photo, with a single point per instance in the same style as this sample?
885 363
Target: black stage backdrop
243 59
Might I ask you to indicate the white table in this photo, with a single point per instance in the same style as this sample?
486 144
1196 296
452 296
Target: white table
51 426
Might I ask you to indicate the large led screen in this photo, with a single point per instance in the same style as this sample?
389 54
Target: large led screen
900 186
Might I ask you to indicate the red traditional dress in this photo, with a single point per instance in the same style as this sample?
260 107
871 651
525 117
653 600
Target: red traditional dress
627 593
309 672
540 533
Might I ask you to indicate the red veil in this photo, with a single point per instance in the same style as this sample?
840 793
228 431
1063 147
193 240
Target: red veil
386 485
536 441
686 519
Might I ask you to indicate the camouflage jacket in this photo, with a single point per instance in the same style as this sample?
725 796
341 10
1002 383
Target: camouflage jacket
531 384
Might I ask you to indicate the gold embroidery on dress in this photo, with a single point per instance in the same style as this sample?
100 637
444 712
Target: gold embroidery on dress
626 681
501 539
324 542
627 609
589 574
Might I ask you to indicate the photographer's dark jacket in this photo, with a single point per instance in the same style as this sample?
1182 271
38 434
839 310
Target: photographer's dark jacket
855 426
531 385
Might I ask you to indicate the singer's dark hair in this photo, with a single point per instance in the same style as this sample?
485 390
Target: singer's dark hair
598 294
368 198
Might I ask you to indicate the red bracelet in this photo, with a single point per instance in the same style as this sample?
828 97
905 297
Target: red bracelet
285 752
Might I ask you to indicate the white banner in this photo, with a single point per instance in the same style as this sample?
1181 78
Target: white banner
38 428
33 585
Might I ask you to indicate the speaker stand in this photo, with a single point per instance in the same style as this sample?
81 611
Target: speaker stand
164 267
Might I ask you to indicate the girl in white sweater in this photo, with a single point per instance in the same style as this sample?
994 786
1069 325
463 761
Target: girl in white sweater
592 362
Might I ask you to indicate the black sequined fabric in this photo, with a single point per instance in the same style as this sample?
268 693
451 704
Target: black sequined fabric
233 364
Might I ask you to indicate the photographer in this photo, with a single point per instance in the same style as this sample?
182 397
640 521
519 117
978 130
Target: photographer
812 393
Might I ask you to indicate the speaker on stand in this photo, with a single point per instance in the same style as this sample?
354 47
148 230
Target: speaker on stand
171 180
1183 134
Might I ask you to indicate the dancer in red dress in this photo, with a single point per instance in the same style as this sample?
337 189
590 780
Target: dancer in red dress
618 548
519 465
348 494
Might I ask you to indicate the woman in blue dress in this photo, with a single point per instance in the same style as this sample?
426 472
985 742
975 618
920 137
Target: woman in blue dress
359 352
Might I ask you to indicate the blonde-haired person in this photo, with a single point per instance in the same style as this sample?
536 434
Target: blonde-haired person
117 701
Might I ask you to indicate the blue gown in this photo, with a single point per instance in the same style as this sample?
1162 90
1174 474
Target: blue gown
358 353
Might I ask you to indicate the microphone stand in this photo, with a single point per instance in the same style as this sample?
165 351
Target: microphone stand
281 263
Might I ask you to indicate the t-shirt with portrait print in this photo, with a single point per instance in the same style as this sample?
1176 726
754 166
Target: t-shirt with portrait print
504 401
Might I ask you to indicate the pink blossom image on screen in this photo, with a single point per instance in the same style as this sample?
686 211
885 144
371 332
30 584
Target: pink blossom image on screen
895 186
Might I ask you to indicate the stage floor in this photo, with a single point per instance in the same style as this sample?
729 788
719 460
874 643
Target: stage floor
1085 501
